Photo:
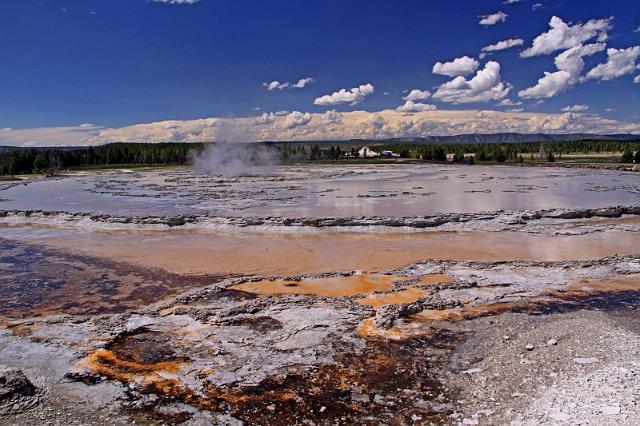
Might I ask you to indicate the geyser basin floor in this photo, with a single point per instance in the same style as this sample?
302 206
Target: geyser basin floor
328 191
116 323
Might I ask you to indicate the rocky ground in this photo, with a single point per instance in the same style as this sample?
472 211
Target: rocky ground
578 367
86 339
480 343
490 220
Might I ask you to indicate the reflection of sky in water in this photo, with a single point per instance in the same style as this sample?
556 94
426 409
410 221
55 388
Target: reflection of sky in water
396 190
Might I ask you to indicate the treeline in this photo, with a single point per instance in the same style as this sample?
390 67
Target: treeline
50 160
515 151
15 161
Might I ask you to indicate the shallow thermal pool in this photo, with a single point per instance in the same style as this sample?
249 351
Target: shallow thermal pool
327 191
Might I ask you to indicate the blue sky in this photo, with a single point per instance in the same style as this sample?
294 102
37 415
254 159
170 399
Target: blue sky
116 63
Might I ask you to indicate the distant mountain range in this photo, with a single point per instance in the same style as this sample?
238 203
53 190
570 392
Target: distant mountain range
480 138
511 138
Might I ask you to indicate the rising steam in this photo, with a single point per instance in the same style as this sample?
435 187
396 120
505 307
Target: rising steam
236 159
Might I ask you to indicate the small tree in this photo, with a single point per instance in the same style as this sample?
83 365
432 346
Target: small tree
636 157
627 156
550 157
39 163
439 154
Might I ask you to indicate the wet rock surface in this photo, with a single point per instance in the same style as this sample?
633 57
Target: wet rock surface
89 340
215 354
499 219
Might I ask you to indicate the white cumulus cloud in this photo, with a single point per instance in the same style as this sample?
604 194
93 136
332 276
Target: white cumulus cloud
303 82
564 36
619 62
411 106
485 86
300 84
570 65
331 117
502 45
637 79
296 119
493 18
275 84
508 102
266 118
575 108
344 96
548 86
176 1
351 125
458 67
417 95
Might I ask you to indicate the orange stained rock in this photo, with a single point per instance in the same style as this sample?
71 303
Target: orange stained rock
407 330
108 363
401 297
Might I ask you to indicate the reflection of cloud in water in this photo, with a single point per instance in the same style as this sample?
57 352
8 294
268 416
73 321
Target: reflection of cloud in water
330 191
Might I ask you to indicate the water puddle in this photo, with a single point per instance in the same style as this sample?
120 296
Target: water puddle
294 254
345 285
339 286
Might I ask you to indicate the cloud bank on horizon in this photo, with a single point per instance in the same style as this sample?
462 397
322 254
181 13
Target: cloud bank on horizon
406 121
460 103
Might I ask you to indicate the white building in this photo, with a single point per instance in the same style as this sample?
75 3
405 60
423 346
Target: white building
389 154
366 152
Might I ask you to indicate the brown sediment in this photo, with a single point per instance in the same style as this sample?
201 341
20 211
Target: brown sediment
258 323
107 363
620 283
338 286
611 293
144 354
368 330
406 295
624 220
36 280
170 310
21 329
430 279
304 253
379 384
386 382
467 312
346 285
596 293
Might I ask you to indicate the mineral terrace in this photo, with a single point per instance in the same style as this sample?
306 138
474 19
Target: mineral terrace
415 294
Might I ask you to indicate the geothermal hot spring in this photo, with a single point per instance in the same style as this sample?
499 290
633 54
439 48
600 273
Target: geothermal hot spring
317 293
